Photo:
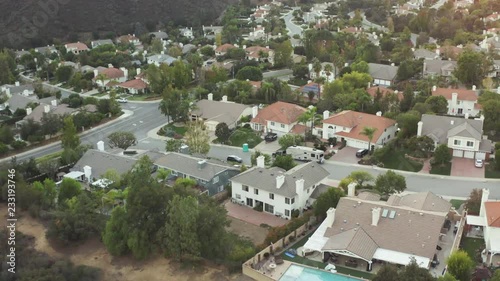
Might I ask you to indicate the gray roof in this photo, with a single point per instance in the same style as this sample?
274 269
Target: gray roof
423 53
188 165
101 161
227 112
46 50
162 58
320 189
159 35
19 101
19 89
437 66
426 201
439 128
188 48
97 43
265 179
355 240
382 71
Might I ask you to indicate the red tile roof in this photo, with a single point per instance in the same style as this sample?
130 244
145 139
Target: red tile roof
224 48
256 84
281 112
357 121
299 129
463 94
137 84
372 91
79 46
492 213
112 73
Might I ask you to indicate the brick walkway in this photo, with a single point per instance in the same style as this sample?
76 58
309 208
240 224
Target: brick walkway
426 169
249 215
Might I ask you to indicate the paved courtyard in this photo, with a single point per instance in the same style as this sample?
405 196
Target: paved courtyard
346 155
249 215
463 167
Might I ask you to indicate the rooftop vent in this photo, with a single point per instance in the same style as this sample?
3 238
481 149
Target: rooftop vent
345 221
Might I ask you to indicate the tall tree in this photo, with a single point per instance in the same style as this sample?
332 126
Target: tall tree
473 203
390 183
283 54
285 162
222 132
122 139
369 132
460 265
197 137
69 139
317 67
68 189
438 104
114 236
472 67
442 155
327 200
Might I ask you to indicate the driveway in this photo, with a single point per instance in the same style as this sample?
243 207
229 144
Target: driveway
268 148
249 215
346 155
463 167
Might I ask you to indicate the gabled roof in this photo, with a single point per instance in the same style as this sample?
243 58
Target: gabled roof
19 101
436 66
423 53
159 35
372 91
224 48
492 213
97 43
101 161
438 127
357 121
464 130
462 94
78 46
281 112
227 112
355 240
265 179
382 71
137 84
189 165
162 59
425 201
112 73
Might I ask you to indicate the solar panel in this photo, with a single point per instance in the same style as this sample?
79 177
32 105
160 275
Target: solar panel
392 214
384 213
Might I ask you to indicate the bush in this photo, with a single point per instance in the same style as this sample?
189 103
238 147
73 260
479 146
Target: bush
332 141
276 233
3 148
18 144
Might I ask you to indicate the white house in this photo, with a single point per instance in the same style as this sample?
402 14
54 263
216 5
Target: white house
460 101
328 75
279 117
76 48
187 32
279 192
348 125
108 76
161 58
102 42
261 54
489 221
463 135
382 74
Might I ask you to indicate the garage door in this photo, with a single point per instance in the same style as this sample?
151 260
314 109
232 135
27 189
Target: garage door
469 154
356 143
458 153
481 155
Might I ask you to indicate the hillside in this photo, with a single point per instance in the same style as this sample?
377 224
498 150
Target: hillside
25 23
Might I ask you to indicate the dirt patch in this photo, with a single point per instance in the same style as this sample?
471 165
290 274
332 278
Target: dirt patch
256 234
93 253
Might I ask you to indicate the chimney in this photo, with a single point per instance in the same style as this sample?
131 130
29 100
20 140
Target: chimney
261 161
210 96
138 71
46 108
473 87
299 186
280 180
326 114
454 97
28 110
484 198
202 164
481 117
379 113
330 216
162 52
351 189
110 65
420 124
224 98
369 85
375 216
87 170
17 84
96 72
466 116
255 111
438 52
100 145
54 103
392 64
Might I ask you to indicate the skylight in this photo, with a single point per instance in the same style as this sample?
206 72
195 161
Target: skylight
384 213
392 214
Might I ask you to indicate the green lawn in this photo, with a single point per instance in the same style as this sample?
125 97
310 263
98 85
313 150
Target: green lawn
244 135
143 97
181 130
456 203
396 160
472 245
490 171
444 170
49 156
99 94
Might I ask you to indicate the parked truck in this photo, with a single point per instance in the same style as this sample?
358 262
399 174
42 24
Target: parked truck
303 153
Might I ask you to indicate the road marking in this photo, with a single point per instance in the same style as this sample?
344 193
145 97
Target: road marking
144 139
134 124
141 122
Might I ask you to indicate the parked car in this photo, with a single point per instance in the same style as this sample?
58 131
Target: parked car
279 153
234 158
479 163
271 137
361 153
122 100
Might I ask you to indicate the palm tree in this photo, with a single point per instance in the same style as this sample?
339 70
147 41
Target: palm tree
328 69
316 65
268 90
369 132
309 116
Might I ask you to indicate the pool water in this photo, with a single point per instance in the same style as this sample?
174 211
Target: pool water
300 273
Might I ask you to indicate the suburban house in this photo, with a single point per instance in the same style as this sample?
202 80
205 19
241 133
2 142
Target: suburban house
348 125
490 43
460 101
463 135
47 50
257 33
134 87
329 76
277 191
438 68
211 31
493 17
76 48
187 32
215 112
425 54
261 54
24 90
383 92
222 49
110 76
279 117
102 42
488 223
382 74
129 39
211 176
496 69
311 91
395 231
18 101
161 58
38 112
161 35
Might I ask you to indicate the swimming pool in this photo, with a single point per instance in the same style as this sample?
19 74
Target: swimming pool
300 273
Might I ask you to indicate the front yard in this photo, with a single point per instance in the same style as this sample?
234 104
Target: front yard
444 169
490 171
143 97
244 135
173 130
473 247
396 160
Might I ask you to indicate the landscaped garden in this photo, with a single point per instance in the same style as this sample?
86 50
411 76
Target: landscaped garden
473 246
441 169
173 130
456 203
143 97
490 171
396 160
244 135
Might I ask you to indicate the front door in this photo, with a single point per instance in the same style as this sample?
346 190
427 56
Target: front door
250 202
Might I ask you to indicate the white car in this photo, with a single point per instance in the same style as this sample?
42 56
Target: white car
122 100
479 163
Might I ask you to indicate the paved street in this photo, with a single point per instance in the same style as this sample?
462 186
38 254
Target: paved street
277 73
50 88
292 28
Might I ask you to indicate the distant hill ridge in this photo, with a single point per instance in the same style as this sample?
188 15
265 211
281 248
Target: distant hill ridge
25 23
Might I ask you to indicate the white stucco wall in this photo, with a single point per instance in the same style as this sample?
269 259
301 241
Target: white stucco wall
463 143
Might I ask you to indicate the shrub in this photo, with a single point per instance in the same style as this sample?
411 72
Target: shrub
18 144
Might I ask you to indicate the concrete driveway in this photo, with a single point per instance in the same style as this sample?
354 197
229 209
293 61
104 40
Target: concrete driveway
463 167
249 215
268 147
346 155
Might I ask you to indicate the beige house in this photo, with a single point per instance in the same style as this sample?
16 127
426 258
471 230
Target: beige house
215 112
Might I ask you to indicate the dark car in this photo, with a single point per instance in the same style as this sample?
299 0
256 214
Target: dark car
271 137
279 153
361 153
234 158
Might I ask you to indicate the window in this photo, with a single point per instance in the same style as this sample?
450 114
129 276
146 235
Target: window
388 137
460 111
308 190
313 155
269 208
256 191
287 201
330 127
271 196
457 142
282 125
272 123
238 196
470 143
216 179
245 188
287 213
293 200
